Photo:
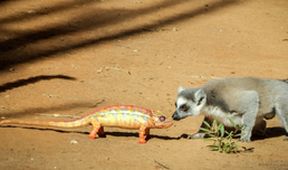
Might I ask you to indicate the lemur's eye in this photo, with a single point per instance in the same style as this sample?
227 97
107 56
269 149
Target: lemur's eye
162 118
184 108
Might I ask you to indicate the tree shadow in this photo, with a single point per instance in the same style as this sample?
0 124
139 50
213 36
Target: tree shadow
2 2
15 50
32 80
58 7
52 110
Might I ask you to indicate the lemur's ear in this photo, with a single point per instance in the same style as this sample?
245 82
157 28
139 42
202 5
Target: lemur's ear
199 94
180 89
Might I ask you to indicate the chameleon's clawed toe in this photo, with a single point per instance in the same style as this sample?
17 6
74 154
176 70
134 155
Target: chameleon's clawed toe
142 141
92 137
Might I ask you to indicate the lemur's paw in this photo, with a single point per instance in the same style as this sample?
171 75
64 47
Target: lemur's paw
193 136
245 139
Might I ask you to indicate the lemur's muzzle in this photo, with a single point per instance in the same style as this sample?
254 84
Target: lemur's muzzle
175 116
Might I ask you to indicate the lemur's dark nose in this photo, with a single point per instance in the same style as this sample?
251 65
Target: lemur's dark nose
175 116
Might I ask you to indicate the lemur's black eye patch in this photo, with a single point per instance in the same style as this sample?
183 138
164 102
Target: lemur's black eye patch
184 108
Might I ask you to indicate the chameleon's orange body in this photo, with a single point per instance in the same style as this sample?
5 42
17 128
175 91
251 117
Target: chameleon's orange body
121 116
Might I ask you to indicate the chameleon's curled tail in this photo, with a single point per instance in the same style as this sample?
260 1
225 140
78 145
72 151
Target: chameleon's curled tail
68 124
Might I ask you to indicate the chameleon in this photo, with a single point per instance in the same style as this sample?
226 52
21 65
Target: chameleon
120 116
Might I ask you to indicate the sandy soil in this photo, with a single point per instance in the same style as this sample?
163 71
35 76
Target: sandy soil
68 56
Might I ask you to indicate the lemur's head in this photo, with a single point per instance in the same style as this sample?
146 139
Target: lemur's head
189 102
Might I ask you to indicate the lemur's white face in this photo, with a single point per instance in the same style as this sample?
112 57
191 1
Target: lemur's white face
189 103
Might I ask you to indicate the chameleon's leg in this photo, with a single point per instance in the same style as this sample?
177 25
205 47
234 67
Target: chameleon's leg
147 132
96 127
143 132
101 132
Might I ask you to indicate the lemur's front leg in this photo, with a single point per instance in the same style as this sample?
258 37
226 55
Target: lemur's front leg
250 100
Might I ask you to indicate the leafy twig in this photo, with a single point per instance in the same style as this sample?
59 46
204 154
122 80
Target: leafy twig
222 139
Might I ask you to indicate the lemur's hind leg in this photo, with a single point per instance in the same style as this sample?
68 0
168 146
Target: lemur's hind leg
259 129
282 112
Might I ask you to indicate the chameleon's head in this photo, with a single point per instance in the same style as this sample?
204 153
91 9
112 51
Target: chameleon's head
160 122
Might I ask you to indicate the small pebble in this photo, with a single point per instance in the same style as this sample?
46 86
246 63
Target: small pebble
73 142
56 115
100 70
107 68
12 69
31 11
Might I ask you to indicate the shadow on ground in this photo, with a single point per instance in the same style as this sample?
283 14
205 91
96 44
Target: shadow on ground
271 132
32 80
115 134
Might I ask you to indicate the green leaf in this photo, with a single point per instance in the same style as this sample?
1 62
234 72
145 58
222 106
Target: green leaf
205 130
237 135
222 130
207 124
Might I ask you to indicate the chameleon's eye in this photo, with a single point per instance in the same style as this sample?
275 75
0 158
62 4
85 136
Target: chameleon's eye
162 118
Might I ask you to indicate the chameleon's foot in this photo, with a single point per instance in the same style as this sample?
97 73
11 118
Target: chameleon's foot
92 136
93 133
101 132
142 141
143 133
97 128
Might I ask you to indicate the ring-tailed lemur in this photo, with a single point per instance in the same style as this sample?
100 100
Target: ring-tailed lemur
243 102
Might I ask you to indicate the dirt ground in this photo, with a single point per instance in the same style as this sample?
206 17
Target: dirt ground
64 57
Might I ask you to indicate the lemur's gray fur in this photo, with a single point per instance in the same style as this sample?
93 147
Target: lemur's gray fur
243 102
